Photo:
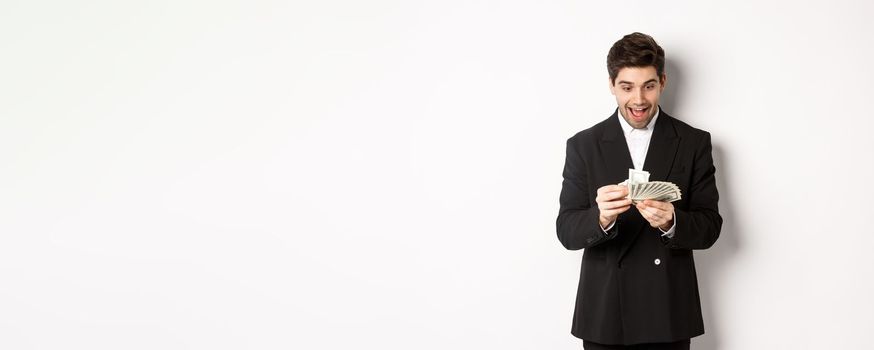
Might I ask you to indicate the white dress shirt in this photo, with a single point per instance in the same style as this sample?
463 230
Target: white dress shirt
638 145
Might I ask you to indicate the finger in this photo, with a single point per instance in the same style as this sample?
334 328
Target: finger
657 204
611 196
659 218
612 188
653 219
647 216
656 212
641 207
662 210
646 213
615 204
652 212
614 212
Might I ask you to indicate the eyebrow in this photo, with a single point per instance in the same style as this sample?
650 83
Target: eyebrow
644 83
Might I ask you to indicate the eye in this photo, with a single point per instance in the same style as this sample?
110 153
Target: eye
626 89
650 87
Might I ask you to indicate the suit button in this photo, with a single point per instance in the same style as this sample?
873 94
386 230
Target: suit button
657 261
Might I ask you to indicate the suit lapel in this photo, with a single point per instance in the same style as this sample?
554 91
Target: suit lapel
662 149
659 159
617 161
614 151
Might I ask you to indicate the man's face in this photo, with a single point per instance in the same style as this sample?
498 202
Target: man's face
637 91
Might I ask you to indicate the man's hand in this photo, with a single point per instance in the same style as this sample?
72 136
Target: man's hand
659 214
611 202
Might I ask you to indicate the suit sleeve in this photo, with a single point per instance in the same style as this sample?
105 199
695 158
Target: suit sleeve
698 227
577 224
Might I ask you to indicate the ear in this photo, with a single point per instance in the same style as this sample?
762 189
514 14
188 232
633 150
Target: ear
611 85
664 82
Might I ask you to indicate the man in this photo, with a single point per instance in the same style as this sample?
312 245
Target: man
638 287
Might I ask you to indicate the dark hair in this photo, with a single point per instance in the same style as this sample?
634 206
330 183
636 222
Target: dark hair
635 50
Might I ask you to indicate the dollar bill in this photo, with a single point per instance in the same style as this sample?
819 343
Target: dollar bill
640 188
637 176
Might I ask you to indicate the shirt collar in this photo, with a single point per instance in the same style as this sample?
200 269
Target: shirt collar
627 128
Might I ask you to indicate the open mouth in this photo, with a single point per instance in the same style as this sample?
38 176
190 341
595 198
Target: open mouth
638 113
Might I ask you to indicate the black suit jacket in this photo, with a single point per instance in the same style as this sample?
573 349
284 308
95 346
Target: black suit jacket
636 286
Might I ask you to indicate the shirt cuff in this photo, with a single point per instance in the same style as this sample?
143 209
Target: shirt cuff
608 227
670 232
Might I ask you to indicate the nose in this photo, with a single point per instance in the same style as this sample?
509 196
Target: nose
638 96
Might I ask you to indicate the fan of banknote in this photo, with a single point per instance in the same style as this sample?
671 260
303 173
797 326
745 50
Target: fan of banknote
640 188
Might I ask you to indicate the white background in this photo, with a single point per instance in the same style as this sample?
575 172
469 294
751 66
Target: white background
385 174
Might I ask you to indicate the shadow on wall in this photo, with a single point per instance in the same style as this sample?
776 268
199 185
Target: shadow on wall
709 263
673 88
